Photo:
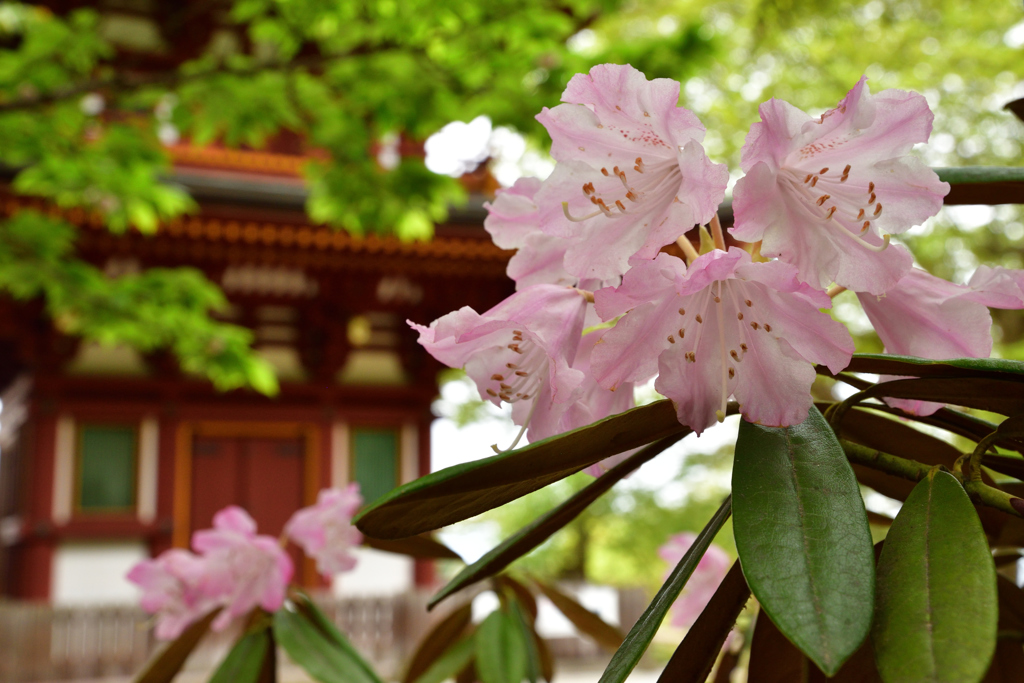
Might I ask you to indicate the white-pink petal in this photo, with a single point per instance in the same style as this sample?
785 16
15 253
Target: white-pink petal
615 108
823 193
725 326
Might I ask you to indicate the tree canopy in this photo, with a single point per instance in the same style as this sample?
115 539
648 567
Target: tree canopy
89 98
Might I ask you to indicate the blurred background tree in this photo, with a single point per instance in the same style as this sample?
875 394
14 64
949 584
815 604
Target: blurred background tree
88 106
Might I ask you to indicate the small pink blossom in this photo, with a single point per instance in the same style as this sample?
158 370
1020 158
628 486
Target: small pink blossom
243 570
513 221
325 531
173 588
928 317
591 403
822 193
702 584
724 326
632 174
519 352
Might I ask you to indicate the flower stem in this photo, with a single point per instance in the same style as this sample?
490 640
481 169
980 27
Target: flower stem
915 471
716 233
835 290
586 294
688 250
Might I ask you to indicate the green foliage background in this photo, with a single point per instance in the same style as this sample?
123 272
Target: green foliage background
348 74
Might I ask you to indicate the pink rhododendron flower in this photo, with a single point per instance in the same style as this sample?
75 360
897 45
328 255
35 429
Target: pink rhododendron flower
632 174
513 221
520 352
704 581
928 317
173 588
725 326
325 531
822 193
244 570
591 403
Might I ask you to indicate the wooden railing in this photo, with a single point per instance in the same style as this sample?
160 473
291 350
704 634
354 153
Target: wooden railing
39 642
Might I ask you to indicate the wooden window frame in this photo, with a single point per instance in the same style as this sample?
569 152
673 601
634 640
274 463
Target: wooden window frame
387 426
77 510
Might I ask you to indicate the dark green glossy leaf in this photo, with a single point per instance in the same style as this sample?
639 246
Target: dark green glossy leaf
539 530
435 643
449 663
166 664
414 546
639 637
985 393
803 538
936 609
501 654
316 652
695 657
587 622
245 661
466 490
886 364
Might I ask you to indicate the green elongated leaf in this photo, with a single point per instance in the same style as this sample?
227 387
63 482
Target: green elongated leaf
803 538
639 637
936 610
245 661
463 491
909 366
501 655
695 657
435 643
414 546
166 664
525 624
985 393
603 633
541 529
327 628
450 663
316 652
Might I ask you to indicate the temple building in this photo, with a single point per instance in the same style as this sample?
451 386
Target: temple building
110 456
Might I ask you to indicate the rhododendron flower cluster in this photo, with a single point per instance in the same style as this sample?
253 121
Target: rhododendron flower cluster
236 569
702 584
815 214
325 532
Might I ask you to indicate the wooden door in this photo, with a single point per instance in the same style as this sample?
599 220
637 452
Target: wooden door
262 475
